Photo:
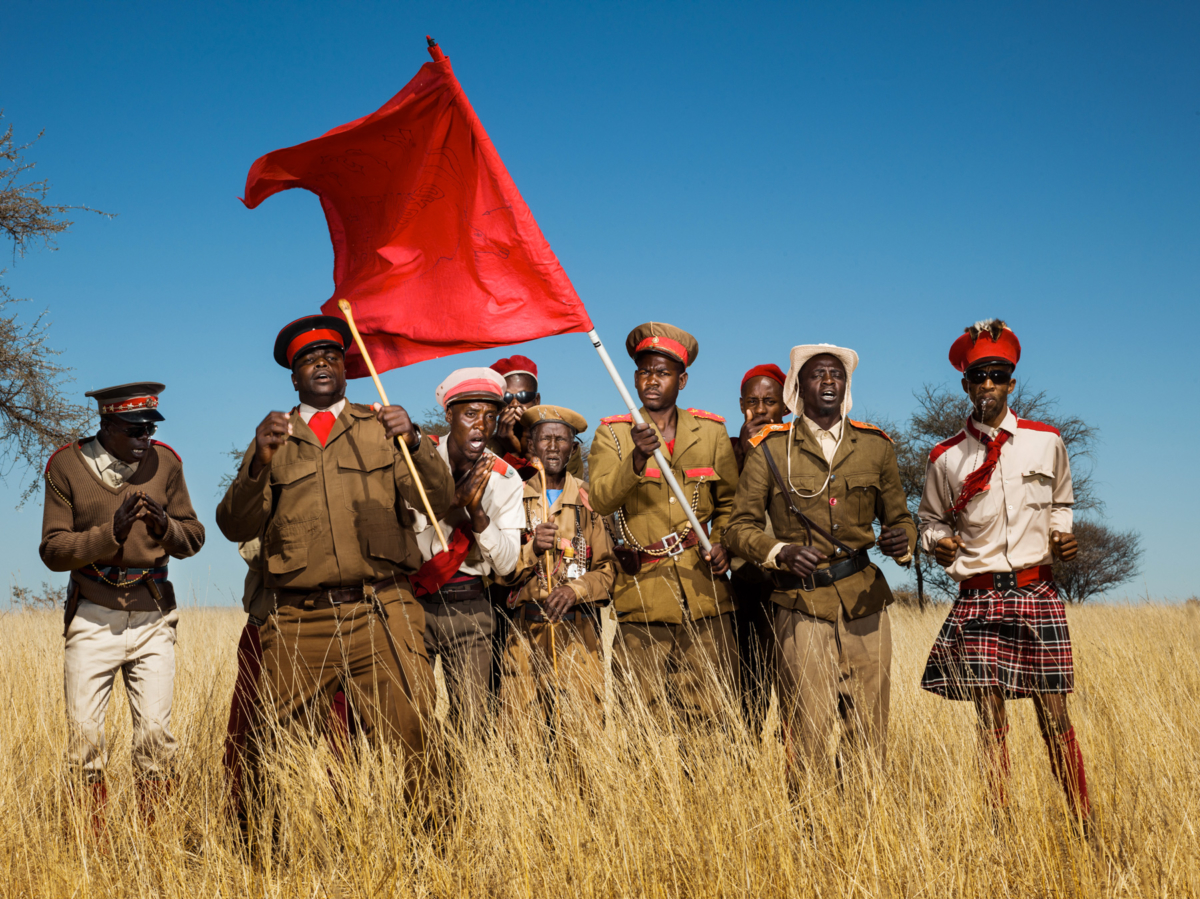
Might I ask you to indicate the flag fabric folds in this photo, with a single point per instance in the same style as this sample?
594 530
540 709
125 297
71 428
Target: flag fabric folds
433 245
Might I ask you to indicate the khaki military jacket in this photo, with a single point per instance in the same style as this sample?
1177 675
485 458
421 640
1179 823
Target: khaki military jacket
865 487
332 516
671 589
597 556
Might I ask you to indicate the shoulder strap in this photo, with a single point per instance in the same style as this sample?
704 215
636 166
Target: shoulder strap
807 523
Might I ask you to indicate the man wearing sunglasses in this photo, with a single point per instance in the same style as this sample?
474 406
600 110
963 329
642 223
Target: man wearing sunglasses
117 508
997 512
521 392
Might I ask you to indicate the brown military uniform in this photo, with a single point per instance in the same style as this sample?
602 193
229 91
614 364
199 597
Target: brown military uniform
338 549
528 662
834 644
675 616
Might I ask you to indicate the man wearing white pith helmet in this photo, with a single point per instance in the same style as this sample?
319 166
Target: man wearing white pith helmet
834 644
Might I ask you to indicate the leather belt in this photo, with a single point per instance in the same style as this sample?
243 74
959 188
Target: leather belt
1008 580
331 597
822 577
672 544
459 591
122 576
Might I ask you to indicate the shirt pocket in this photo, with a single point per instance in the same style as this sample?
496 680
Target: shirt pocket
862 489
384 538
367 480
294 487
287 546
1037 484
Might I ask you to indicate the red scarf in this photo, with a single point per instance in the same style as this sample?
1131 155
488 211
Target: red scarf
434 574
980 479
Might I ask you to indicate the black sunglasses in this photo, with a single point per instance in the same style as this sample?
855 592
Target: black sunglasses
995 375
146 429
524 397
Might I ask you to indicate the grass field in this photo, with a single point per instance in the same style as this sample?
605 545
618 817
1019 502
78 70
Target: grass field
622 816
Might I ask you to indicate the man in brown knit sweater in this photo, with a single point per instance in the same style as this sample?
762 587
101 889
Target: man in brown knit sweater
116 508
329 492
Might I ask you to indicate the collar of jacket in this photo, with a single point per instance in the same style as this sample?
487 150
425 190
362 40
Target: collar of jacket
345 420
570 495
807 441
687 431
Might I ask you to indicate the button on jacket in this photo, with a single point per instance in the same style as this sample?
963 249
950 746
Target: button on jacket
704 464
335 516
864 487
1007 526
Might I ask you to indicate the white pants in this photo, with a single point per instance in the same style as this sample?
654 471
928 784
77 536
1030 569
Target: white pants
141 645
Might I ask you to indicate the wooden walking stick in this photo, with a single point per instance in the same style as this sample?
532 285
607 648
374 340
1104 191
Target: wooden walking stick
344 305
537 463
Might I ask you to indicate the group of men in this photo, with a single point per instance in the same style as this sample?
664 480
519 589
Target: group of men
375 548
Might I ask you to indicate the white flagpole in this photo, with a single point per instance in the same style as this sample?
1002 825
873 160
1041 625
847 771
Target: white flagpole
663 465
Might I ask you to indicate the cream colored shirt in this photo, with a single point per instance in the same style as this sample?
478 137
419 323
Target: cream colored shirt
496 549
307 411
1006 527
829 445
108 468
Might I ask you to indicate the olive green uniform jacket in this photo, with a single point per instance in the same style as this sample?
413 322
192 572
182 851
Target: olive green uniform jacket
333 515
593 587
865 487
705 467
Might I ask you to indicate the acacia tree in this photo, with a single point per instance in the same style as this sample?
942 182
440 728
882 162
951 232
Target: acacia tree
36 416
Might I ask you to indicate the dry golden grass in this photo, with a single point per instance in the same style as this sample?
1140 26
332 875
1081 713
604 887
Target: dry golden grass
623 816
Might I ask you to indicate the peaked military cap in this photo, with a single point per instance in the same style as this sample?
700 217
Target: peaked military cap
136 402
535 415
659 337
310 331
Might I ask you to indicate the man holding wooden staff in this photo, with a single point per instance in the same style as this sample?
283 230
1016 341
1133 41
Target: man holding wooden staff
564 578
329 490
672 599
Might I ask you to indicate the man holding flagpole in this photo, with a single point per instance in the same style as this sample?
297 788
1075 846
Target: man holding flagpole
673 602
328 490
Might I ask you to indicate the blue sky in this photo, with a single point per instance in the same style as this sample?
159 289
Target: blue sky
873 175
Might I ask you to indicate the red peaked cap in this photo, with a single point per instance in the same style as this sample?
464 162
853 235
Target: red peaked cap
515 365
967 352
770 370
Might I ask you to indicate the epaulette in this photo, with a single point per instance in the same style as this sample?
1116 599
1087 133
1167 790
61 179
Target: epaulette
767 431
55 453
946 444
501 467
435 439
711 416
863 426
1037 426
584 499
164 446
617 419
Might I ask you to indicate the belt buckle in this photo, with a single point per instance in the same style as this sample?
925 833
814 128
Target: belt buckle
1004 580
673 544
333 600
805 581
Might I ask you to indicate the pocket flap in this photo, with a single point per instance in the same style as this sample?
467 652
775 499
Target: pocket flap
865 479
1038 473
695 474
372 461
293 471
651 473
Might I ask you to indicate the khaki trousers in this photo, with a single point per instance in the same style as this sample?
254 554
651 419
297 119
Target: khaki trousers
686 665
141 645
461 633
831 671
309 654
530 691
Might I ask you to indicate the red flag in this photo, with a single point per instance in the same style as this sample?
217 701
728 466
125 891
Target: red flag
432 244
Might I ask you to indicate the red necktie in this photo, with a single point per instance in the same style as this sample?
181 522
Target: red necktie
981 478
321 424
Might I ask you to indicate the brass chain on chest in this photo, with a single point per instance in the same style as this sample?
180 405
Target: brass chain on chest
578 545
623 526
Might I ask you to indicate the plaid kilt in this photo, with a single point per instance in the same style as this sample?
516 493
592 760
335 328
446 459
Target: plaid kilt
1013 639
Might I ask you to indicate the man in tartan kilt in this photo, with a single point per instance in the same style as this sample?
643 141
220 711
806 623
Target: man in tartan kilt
996 511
